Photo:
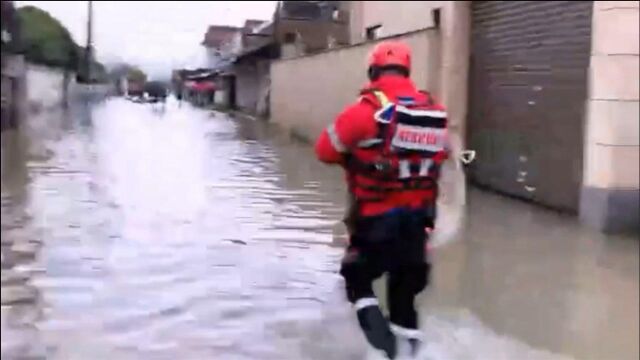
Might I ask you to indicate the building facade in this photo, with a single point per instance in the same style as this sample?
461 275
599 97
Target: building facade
297 28
306 27
221 43
545 92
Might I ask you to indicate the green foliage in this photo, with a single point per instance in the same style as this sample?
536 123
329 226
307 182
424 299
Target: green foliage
45 40
136 75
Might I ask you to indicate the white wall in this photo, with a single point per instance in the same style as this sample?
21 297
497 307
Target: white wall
612 146
396 17
221 97
308 92
45 87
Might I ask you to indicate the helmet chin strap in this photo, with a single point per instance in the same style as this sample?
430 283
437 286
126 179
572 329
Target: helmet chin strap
374 72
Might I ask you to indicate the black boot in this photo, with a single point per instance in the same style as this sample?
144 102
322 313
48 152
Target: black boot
376 329
409 341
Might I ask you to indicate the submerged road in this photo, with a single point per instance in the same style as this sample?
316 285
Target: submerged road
130 231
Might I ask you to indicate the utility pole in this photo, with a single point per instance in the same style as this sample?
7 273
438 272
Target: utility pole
89 46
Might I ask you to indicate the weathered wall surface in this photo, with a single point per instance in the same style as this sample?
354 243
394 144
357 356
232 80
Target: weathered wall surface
51 88
455 33
252 78
313 36
246 86
308 92
440 61
221 97
611 180
45 87
394 17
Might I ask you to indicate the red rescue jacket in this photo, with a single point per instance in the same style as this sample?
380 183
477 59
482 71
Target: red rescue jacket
391 144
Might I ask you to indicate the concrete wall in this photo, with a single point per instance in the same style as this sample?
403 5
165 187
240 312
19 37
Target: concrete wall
308 92
313 36
396 17
610 196
246 85
440 64
252 81
51 88
221 97
355 9
455 34
46 87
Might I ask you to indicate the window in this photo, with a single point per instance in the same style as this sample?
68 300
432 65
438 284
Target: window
373 32
290 38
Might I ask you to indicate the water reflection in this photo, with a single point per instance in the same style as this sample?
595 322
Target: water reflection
167 235
540 277
21 299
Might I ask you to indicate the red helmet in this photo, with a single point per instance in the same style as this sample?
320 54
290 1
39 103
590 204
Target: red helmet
391 53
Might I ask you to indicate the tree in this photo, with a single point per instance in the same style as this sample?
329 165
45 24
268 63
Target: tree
136 75
45 40
131 72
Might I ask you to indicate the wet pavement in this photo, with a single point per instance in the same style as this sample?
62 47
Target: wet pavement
132 231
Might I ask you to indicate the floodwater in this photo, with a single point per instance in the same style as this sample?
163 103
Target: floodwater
138 232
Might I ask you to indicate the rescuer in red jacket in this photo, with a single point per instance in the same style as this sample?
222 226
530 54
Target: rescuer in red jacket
391 143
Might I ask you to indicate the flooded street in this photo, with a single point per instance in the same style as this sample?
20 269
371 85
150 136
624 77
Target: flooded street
138 232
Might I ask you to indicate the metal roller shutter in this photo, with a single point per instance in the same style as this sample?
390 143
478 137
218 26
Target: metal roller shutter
528 90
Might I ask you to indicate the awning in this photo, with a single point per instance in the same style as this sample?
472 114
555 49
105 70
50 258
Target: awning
201 85
202 75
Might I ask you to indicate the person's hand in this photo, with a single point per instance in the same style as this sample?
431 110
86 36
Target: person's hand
427 244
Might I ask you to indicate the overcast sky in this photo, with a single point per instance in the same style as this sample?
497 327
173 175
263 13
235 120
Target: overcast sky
157 36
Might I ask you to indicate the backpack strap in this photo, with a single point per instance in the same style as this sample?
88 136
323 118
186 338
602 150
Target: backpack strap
429 101
384 110
375 97
382 98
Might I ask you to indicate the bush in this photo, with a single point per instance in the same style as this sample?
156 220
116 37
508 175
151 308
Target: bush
136 75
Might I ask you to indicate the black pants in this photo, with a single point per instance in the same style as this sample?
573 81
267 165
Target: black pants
393 243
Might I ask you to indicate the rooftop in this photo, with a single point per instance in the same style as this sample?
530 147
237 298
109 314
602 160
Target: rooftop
251 25
217 35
